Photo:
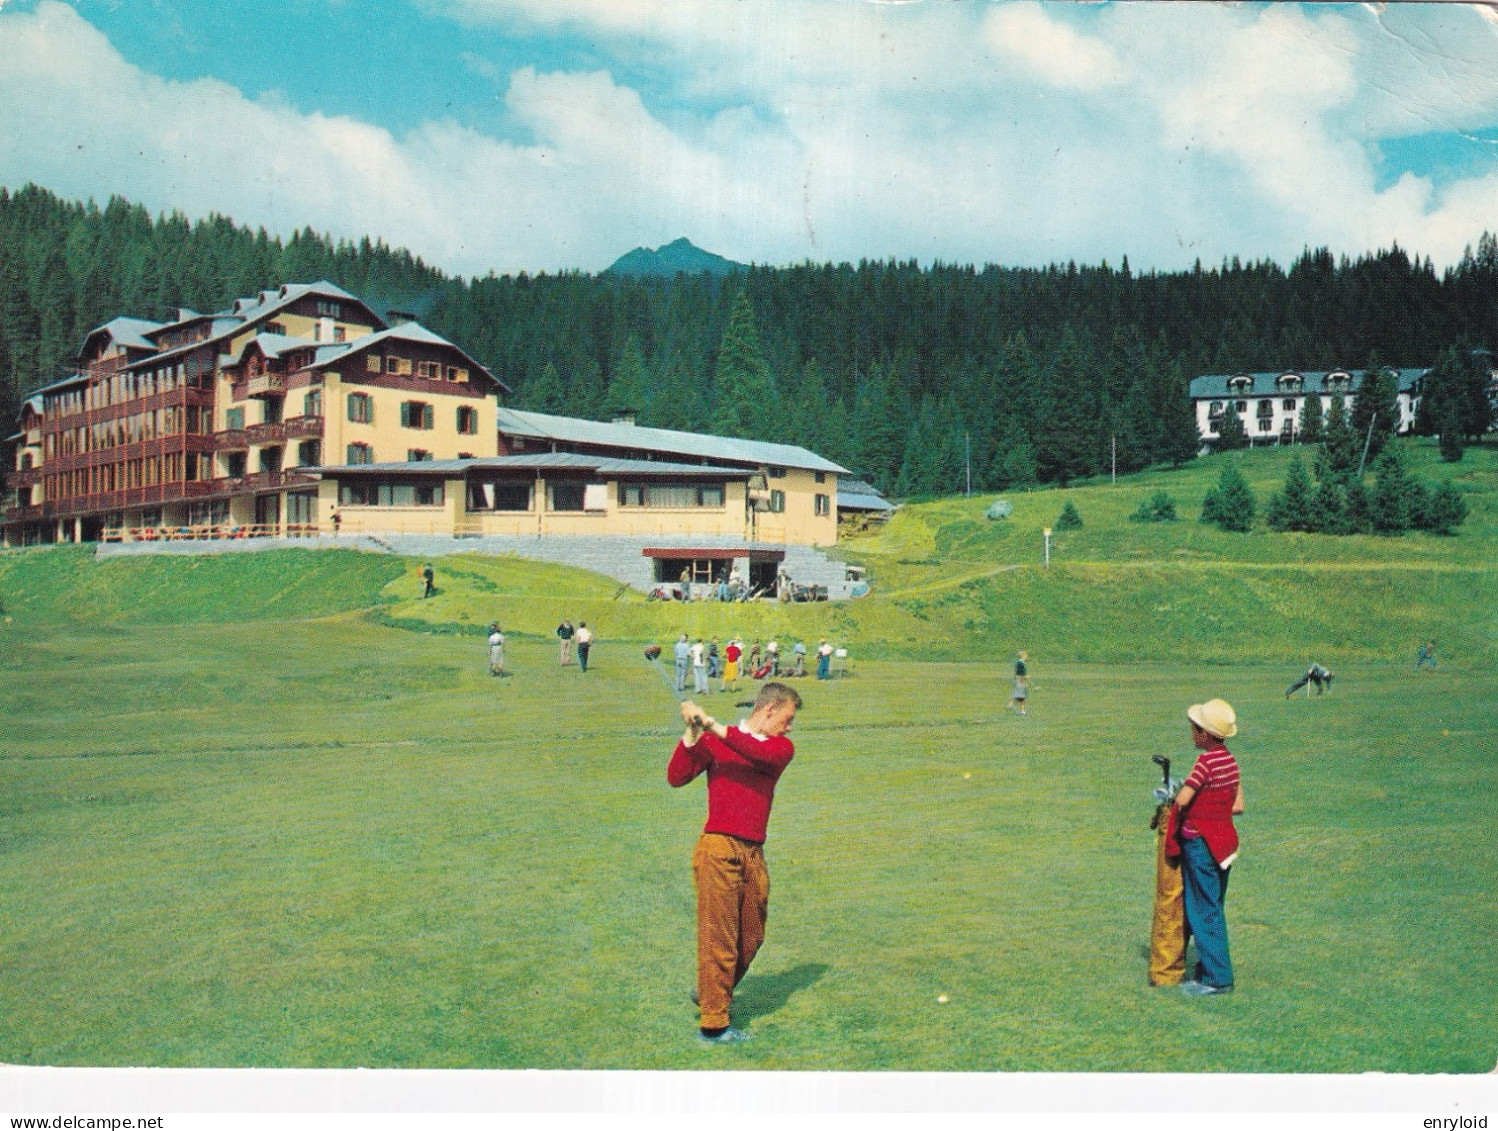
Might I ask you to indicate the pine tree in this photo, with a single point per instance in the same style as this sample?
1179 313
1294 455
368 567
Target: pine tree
879 428
1231 435
1069 518
1231 503
1065 446
1390 506
1375 408
1450 429
1475 383
544 392
1294 509
1159 507
743 388
1327 508
1446 510
1342 451
1310 426
629 388
1357 517
1180 441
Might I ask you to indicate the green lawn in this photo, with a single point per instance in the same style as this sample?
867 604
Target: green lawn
332 843
269 809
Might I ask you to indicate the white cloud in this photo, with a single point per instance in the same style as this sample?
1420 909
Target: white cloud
1051 50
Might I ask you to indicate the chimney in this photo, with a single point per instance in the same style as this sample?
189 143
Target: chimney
399 317
625 416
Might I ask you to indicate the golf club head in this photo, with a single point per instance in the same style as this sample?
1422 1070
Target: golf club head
1160 759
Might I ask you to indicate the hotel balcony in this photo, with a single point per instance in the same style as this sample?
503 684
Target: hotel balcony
265 385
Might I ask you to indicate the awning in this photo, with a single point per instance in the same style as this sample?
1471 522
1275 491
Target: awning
716 553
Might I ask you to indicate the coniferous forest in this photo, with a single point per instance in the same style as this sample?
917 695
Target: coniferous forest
898 371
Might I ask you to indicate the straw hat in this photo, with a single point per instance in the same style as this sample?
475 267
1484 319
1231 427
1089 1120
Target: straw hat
1215 716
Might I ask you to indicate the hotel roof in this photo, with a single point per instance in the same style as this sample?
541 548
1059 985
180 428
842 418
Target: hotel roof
571 430
541 461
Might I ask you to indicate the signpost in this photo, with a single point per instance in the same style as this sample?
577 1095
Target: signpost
1047 545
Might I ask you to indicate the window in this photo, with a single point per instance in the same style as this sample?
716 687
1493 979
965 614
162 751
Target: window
270 410
339 333
312 403
377 494
510 496
372 363
275 328
329 309
416 414
361 408
398 365
429 370
301 507
1266 424
309 453
671 495
468 421
1266 407
1240 407
417 455
360 453
824 504
1214 409
777 473
821 477
234 419
234 464
777 502
567 496
457 373
1289 405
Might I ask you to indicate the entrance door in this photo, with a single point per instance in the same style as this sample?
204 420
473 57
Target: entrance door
267 510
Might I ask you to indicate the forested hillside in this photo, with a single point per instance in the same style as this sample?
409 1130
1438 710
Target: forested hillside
888 367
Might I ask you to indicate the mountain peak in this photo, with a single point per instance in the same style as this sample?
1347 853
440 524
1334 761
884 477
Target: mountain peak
680 256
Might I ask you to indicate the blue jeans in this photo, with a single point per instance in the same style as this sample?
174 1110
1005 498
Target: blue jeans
1206 890
681 675
824 667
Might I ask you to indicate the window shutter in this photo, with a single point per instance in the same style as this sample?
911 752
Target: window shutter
427 416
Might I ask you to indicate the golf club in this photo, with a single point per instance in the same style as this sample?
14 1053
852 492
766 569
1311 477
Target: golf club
653 657
1164 792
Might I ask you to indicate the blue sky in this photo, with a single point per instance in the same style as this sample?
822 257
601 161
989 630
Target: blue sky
512 135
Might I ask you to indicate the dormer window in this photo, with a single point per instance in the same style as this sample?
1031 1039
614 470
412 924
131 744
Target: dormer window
1289 383
1338 380
1241 383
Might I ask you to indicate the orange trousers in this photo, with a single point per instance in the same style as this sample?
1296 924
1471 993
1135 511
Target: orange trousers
733 899
1168 931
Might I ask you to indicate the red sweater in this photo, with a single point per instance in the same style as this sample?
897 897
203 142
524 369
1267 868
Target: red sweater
741 774
1215 779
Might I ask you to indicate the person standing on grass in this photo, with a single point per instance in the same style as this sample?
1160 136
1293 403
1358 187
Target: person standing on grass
699 667
1021 691
714 660
1202 834
824 660
565 633
496 650
772 657
584 645
743 763
428 581
799 651
731 653
683 662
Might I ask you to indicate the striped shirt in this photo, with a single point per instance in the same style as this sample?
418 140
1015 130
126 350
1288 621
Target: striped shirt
1215 771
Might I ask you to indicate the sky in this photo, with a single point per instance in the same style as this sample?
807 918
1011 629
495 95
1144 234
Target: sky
547 135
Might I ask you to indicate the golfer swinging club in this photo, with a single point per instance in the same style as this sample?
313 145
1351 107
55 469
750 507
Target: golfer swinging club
742 763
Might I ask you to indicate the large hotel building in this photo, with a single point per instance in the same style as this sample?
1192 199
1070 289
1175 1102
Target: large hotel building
302 411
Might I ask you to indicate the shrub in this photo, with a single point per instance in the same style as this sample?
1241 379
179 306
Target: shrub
1445 510
1069 519
1159 507
1230 504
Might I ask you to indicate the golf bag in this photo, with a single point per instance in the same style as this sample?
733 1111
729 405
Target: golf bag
1168 924
762 672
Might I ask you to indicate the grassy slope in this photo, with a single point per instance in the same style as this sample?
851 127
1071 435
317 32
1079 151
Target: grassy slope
948 584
